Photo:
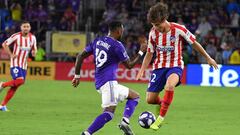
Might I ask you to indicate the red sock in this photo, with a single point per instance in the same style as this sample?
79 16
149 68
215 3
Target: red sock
167 100
13 83
9 95
158 101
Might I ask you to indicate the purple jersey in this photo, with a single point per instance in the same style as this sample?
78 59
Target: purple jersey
108 53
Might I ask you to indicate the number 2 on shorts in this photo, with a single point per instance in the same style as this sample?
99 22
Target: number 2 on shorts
154 77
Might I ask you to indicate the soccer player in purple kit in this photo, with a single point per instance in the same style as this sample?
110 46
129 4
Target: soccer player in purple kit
108 53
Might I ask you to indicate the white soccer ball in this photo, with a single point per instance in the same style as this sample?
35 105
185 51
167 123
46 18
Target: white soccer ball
146 119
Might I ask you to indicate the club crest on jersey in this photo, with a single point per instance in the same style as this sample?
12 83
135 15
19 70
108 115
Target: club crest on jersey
172 39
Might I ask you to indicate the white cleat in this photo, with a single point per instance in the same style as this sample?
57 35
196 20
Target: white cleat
3 108
125 127
85 133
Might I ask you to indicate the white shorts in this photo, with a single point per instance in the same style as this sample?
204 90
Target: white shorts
112 93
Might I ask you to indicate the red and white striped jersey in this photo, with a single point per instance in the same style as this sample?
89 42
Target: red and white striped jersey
22 47
168 46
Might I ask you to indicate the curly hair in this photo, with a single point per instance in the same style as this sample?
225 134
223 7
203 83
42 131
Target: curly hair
158 12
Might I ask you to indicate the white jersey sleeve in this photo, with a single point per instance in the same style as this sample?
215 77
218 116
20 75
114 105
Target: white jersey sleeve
187 35
11 39
151 42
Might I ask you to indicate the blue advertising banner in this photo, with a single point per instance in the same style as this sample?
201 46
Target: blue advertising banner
204 75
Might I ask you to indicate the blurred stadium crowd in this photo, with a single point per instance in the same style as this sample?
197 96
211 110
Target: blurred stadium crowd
214 22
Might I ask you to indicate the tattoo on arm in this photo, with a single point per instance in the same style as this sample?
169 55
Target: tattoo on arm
79 61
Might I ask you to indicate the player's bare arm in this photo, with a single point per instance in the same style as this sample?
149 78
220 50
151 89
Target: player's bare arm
7 49
34 48
146 61
200 49
78 65
130 64
34 51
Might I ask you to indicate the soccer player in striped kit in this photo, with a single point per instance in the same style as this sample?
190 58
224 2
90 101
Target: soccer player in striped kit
166 39
23 42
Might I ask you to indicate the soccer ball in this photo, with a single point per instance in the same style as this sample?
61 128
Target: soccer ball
146 119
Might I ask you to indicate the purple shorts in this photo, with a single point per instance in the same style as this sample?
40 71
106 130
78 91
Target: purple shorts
159 78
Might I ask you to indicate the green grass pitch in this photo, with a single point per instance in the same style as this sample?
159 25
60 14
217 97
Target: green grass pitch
56 108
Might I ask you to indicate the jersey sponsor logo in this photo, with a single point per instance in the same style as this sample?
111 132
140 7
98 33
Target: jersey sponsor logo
25 48
165 48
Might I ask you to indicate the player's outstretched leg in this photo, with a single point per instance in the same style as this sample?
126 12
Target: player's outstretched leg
7 98
132 102
9 95
172 81
154 98
14 84
100 121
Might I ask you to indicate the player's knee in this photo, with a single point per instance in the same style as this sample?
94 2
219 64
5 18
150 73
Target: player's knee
110 109
150 100
170 87
137 95
133 94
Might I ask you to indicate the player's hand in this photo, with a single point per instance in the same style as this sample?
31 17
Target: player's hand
13 56
140 74
212 63
34 53
143 42
75 82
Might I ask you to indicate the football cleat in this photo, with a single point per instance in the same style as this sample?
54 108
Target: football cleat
157 124
3 108
85 133
125 127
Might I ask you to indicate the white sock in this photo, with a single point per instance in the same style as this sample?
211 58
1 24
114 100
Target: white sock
126 119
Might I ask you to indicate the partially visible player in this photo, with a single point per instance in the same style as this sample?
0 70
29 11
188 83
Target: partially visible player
166 39
23 42
108 53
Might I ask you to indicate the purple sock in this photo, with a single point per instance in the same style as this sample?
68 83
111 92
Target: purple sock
100 121
130 107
